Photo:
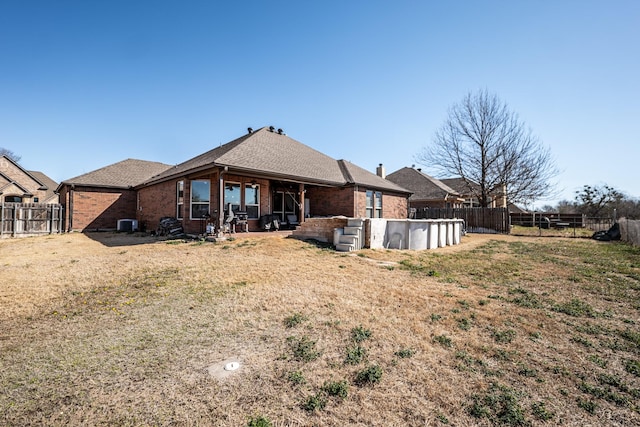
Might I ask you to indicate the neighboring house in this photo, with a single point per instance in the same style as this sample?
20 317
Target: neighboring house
469 190
264 172
428 192
98 199
18 185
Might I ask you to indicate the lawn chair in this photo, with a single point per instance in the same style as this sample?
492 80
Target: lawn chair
292 221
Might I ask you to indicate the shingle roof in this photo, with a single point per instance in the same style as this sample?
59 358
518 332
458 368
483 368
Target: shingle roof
267 152
461 185
424 187
49 185
124 174
357 175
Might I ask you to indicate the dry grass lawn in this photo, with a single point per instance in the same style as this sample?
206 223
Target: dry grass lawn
116 329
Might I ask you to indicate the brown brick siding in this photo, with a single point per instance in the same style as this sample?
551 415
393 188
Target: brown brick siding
394 206
97 209
330 201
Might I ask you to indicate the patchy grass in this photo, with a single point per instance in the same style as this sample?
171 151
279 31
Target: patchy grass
106 329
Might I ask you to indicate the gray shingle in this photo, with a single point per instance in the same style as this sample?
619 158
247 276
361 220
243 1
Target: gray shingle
124 174
424 187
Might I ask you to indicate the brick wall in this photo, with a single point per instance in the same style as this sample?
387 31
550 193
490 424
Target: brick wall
331 201
98 208
394 206
320 229
160 200
157 201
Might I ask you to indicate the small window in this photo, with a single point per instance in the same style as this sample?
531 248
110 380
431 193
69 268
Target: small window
200 195
36 200
369 205
180 199
232 196
252 200
373 207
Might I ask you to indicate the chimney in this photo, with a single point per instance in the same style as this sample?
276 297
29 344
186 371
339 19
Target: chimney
380 171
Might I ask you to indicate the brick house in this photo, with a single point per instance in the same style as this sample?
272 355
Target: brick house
98 199
428 192
263 172
18 185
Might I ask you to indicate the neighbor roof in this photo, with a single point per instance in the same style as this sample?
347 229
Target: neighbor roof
462 185
276 155
424 187
125 174
49 185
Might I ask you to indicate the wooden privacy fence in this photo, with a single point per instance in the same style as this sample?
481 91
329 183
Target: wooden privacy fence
24 219
477 220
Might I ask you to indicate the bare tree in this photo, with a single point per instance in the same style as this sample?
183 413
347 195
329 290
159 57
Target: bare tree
487 145
596 201
10 154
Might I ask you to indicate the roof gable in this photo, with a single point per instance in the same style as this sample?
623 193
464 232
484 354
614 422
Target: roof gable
424 187
359 176
124 174
16 173
265 151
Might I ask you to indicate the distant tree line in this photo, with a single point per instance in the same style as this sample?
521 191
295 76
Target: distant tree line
599 201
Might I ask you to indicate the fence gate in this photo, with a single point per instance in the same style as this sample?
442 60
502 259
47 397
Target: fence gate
30 219
477 220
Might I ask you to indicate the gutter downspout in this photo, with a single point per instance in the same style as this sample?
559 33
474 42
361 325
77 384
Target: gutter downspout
70 225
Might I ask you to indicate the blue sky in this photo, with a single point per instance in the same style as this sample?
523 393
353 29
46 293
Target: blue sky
84 84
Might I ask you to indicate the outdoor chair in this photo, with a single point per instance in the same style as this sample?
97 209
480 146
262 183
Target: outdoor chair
292 221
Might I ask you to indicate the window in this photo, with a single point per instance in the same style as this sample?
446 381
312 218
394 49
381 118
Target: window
232 196
373 204
180 199
13 199
200 195
252 200
36 200
378 204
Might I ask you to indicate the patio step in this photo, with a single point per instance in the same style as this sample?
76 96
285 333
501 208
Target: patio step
345 247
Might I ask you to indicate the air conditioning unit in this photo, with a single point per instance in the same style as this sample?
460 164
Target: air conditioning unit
127 225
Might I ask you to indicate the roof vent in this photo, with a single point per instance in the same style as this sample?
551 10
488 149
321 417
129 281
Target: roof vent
271 128
250 130
280 132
